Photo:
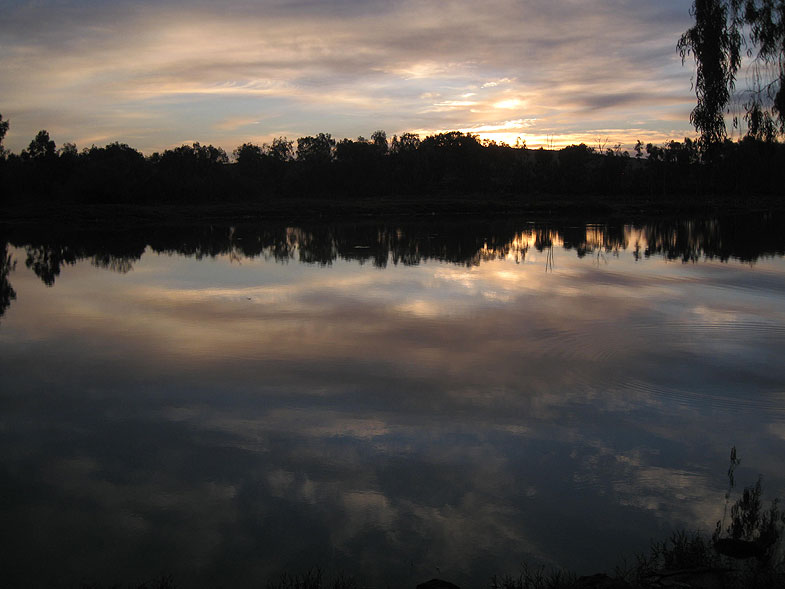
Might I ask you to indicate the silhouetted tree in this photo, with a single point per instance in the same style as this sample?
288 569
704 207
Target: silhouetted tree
192 159
715 41
315 150
408 142
576 163
361 166
766 106
68 151
114 173
190 172
354 152
379 140
249 156
37 174
40 148
3 130
264 164
454 160
195 156
281 149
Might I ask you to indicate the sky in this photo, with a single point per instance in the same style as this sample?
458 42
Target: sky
159 74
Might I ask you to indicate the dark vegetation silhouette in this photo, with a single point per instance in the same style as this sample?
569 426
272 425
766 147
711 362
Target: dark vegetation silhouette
725 31
753 531
3 130
327 171
746 549
314 578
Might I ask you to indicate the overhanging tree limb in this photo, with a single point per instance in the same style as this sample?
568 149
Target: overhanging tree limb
722 28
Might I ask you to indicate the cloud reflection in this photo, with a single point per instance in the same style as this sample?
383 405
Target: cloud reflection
254 418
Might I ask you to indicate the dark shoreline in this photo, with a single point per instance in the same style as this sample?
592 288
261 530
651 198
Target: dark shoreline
331 209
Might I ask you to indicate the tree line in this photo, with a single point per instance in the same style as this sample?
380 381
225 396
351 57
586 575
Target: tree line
443 163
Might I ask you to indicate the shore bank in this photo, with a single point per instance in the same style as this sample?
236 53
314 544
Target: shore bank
405 207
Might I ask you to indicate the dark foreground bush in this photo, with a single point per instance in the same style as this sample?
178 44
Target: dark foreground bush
313 579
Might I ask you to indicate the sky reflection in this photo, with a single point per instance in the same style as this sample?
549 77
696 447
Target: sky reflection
255 417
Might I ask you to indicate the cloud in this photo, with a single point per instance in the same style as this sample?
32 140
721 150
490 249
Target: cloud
349 66
624 99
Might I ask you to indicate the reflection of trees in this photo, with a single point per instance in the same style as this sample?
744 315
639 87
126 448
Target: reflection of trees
119 264
7 293
738 237
48 253
468 243
46 260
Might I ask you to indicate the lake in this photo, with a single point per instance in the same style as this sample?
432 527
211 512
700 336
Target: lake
398 401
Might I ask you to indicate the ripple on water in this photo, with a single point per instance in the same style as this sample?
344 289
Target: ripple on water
771 402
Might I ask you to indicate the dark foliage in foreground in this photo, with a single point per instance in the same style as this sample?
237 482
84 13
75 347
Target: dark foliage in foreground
723 30
448 163
313 579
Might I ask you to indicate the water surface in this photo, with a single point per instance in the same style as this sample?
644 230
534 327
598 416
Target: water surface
397 401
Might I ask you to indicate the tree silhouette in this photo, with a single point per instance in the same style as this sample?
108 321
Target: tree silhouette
379 140
3 130
722 28
40 148
109 174
355 152
714 42
195 158
315 150
451 163
68 151
249 156
408 142
766 106
281 149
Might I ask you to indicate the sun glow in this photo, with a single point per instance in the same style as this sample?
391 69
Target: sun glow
509 104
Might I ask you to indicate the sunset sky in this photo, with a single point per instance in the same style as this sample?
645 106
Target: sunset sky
159 74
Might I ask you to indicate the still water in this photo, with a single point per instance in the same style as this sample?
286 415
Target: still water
397 401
